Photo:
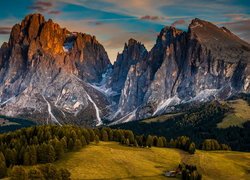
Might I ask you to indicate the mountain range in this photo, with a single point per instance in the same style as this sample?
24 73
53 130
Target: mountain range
51 75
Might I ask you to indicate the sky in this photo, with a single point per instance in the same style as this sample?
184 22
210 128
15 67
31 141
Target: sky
113 22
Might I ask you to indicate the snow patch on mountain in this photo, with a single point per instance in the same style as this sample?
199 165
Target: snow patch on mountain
53 118
68 46
99 120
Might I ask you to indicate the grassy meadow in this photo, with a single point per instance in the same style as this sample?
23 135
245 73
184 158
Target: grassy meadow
109 160
239 114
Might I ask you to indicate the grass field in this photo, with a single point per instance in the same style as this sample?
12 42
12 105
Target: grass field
161 118
109 160
240 113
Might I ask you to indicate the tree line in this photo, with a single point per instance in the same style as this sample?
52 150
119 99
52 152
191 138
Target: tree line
46 171
189 172
46 144
198 123
212 144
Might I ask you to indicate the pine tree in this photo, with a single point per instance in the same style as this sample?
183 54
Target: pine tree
191 149
83 141
86 134
35 174
135 143
155 141
77 145
42 153
65 174
59 149
10 157
159 142
70 144
64 143
50 171
3 168
33 155
97 139
131 137
164 140
127 142
51 155
149 141
92 135
18 173
26 157
104 135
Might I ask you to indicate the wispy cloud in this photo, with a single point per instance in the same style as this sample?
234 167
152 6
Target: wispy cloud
5 30
45 7
54 12
178 22
240 28
152 18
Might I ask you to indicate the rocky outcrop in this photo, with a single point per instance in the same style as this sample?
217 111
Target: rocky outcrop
50 74
46 68
204 63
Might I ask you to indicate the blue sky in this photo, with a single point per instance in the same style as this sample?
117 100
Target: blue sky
113 22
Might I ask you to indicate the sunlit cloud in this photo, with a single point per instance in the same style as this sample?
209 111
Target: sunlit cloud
5 30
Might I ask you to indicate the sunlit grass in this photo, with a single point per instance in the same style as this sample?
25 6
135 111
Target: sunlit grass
109 160
239 114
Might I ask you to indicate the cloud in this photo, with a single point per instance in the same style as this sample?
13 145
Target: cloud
240 28
44 4
5 30
152 18
95 23
178 22
54 12
44 7
40 6
129 7
37 8
237 17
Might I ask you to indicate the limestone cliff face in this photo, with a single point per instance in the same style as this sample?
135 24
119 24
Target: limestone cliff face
45 68
204 63
49 74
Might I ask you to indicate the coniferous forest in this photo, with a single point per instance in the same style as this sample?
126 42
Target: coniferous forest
47 144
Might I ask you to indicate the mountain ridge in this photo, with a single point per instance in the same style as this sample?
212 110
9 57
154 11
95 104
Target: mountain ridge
46 68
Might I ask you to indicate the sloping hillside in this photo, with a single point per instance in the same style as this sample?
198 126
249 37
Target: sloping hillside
109 160
239 114
200 122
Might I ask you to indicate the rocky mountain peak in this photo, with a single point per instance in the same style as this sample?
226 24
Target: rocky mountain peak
132 42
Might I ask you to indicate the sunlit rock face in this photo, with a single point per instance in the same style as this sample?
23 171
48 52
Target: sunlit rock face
45 72
202 64
52 75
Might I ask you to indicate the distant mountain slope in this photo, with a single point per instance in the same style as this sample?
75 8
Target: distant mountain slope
200 122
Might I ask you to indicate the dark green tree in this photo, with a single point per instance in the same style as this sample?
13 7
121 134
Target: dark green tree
191 149
50 171
3 168
59 149
149 141
35 174
160 142
104 135
51 154
18 173
77 145
65 174
97 139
